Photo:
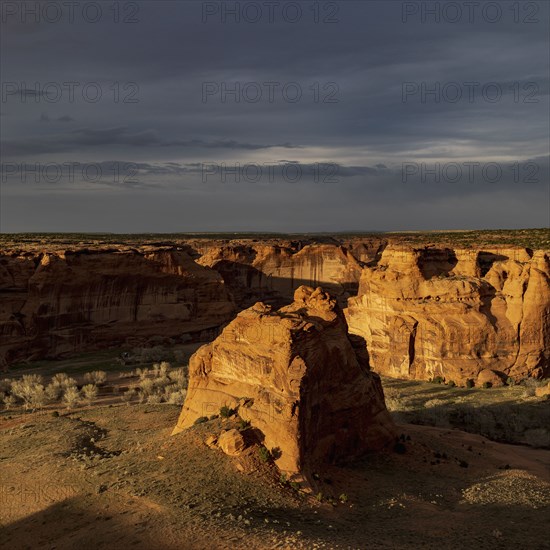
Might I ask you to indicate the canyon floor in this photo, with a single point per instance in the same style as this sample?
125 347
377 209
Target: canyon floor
111 476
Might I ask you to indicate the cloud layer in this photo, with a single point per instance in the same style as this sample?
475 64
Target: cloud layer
378 103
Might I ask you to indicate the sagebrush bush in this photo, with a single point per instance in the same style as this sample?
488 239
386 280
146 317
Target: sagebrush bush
30 390
71 397
53 392
147 386
10 402
89 391
97 377
142 373
177 397
179 377
128 395
63 380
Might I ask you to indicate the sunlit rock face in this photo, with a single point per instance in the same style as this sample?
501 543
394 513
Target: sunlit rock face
299 379
453 313
272 272
62 302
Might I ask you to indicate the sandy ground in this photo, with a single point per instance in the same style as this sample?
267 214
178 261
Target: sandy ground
112 477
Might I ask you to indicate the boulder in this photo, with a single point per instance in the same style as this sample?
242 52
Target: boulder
231 442
298 378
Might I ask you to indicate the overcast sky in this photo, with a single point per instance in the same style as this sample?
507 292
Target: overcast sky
351 115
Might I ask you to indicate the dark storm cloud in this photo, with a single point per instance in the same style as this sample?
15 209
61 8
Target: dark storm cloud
89 137
366 107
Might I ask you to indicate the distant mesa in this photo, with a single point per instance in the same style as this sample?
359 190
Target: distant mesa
300 380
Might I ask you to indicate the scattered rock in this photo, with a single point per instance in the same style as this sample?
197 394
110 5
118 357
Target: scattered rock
231 442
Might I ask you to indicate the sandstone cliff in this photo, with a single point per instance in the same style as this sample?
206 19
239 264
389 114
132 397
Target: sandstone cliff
296 375
437 312
71 301
272 272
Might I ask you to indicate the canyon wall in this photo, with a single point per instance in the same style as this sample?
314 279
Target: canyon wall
272 272
423 312
68 301
433 312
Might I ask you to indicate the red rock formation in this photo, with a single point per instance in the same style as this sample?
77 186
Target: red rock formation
296 375
70 301
272 272
438 312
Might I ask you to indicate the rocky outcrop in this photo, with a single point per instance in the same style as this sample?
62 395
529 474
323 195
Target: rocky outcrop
433 312
297 377
61 302
272 272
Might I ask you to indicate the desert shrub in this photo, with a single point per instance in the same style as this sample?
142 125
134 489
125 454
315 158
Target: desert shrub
510 381
155 369
127 396
438 380
5 385
470 383
451 383
142 373
201 420
90 392
147 386
30 390
264 454
37 398
53 392
97 377
243 424
487 385
295 485
71 397
179 377
171 388
154 399
343 498
10 402
161 381
226 412
177 397
63 380
164 368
